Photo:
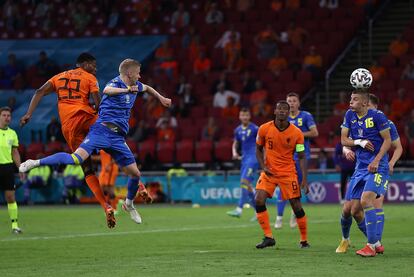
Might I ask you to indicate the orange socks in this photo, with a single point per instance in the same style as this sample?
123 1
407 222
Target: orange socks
303 229
93 184
263 219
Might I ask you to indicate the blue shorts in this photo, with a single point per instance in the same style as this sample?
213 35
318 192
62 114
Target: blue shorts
248 170
102 138
363 180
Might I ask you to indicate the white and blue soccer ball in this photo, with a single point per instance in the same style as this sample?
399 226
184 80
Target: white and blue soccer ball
361 78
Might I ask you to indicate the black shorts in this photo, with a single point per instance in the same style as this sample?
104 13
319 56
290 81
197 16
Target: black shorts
7 176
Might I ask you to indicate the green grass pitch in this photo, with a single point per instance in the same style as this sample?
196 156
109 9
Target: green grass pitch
184 241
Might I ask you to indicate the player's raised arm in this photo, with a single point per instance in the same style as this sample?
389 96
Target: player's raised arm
398 150
166 102
39 93
111 91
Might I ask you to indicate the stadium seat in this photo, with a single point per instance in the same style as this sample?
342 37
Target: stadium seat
185 151
53 147
223 150
204 151
165 151
147 149
34 149
133 146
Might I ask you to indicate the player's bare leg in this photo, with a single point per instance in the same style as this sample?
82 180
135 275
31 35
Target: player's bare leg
301 220
263 219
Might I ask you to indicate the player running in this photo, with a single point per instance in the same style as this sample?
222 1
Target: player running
109 131
369 130
74 88
378 204
245 138
277 141
305 122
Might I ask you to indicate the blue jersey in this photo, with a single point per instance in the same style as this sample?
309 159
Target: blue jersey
304 121
367 127
393 131
246 137
117 108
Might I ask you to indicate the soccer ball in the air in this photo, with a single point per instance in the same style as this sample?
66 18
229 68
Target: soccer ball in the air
361 78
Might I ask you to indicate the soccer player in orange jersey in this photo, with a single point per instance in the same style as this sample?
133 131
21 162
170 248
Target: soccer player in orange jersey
276 143
107 177
74 88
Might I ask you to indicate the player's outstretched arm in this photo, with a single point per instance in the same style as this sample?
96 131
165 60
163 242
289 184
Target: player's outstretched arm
39 93
304 169
111 91
398 150
166 102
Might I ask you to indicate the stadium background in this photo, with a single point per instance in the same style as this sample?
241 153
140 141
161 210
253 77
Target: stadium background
273 39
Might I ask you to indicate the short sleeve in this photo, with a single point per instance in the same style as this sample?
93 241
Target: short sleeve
393 132
15 140
93 84
310 122
112 84
140 86
52 81
381 121
261 136
346 123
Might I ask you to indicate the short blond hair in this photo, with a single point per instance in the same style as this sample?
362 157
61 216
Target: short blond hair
127 64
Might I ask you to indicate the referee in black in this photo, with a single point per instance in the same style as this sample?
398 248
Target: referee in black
9 159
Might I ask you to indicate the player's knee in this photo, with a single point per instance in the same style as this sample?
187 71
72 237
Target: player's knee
260 208
300 213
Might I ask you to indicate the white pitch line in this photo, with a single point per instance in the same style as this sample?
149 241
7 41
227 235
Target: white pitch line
185 229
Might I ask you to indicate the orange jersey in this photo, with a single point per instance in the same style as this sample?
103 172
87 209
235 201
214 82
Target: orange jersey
279 147
73 88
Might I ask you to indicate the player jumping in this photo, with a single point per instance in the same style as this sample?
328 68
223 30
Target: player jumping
109 131
277 141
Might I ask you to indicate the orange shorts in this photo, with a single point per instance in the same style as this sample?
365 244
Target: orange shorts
108 177
288 185
77 128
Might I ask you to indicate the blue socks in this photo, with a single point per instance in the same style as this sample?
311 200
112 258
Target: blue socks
280 206
132 188
346 226
371 223
363 227
246 197
61 158
380 222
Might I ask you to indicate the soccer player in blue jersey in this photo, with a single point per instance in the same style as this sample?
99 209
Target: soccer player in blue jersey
245 138
378 204
109 131
305 122
369 131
